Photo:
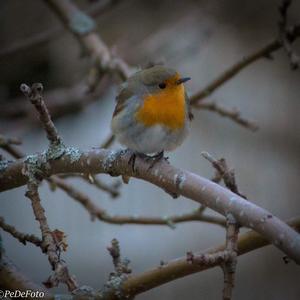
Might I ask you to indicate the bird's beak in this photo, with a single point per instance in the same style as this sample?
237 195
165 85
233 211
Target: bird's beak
182 80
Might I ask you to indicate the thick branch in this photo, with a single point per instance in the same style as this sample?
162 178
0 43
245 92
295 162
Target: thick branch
171 179
97 212
181 267
12 279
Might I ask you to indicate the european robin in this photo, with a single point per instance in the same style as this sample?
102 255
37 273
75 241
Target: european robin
152 114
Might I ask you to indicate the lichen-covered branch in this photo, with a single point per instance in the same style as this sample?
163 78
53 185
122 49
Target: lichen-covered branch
99 213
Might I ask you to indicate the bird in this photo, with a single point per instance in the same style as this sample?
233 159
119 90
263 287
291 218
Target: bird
152 114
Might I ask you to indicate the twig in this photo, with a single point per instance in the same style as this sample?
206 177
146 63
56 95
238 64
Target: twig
82 27
50 246
99 213
64 101
121 266
52 33
120 274
34 94
22 237
6 144
284 35
264 52
224 172
229 266
52 240
112 189
234 114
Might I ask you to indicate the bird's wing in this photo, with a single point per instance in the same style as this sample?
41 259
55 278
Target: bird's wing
124 94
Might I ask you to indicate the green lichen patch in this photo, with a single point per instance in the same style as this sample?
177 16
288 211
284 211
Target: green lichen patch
55 151
73 153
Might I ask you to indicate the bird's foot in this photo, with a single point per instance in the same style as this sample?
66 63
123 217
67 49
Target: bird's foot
156 158
152 159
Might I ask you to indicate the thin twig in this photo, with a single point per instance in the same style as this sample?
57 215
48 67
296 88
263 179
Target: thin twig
228 266
99 213
112 189
49 245
224 172
264 52
34 94
53 33
121 266
82 27
284 34
233 114
22 237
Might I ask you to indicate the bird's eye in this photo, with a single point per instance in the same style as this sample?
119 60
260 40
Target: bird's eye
162 85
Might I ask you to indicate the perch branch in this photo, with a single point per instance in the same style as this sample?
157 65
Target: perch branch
101 214
169 178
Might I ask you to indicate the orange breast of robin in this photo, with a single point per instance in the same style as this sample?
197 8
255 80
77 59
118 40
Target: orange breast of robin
165 107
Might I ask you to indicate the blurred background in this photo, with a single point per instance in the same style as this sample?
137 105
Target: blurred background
200 39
